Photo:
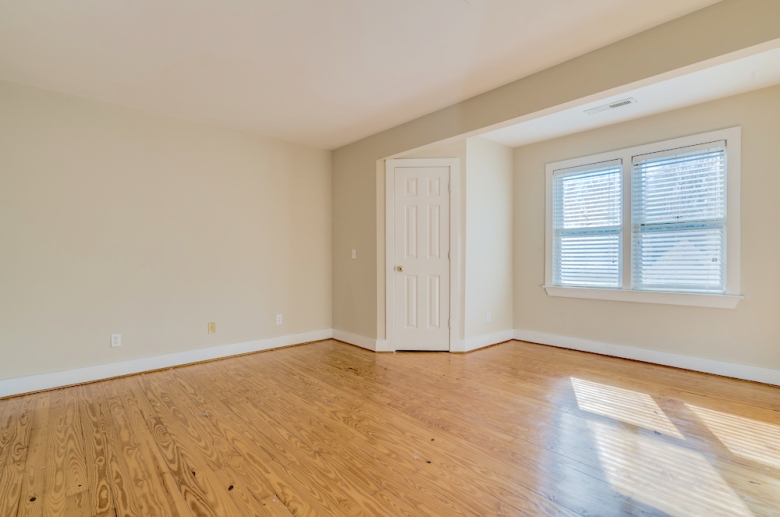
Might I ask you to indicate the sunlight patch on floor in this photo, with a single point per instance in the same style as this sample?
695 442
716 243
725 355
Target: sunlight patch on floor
744 437
627 406
668 477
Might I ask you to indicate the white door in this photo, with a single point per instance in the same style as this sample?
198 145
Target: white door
422 266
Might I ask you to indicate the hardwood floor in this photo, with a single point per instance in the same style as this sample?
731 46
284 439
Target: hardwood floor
330 429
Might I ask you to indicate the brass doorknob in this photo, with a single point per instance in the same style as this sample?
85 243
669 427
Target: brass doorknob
399 268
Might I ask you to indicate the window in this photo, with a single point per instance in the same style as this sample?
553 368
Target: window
679 220
587 225
656 223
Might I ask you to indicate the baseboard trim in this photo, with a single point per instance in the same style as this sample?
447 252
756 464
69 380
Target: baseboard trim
477 342
733 370
47 381
375 345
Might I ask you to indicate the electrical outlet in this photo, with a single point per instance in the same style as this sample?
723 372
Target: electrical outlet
278 319
116 340
212 327
354 254
488 317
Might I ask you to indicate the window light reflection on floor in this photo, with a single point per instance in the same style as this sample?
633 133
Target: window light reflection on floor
624 405
671 478
744 437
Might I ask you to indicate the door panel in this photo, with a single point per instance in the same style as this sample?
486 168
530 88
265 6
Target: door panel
422 241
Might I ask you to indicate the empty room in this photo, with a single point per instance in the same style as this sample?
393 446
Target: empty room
402 258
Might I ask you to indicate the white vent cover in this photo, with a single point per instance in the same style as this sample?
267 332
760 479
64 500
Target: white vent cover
611 106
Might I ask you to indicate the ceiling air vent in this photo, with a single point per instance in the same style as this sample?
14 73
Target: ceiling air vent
611 106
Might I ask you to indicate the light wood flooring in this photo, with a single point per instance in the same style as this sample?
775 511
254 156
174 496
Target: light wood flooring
330 429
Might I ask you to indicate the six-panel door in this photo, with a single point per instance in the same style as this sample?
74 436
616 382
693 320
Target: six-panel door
422 268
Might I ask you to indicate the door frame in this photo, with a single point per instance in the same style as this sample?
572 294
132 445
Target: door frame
455 244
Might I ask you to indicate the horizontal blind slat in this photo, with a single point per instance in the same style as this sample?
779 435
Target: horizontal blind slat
587 221
678 215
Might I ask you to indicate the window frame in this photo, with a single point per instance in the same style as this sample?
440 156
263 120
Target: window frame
618 228
732 137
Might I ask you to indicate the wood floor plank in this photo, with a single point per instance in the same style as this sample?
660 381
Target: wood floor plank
4 403
255 462
222 456
346 440
16 420
152 500
54 498
329 429
10 412
540 435
275 507
123 491
206 464
534 462
515 493
744 392
351 479
168 458
558 462
295 457
96 449
13 456
152 464
77 491
396 465
33 481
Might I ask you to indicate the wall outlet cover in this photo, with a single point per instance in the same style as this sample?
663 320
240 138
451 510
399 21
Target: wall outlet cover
212 327
278 319
116 340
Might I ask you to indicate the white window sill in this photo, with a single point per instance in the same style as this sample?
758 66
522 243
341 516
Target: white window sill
718 301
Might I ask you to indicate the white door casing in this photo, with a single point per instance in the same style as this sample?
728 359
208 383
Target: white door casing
419 239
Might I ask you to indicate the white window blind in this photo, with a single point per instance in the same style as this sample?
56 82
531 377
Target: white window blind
679 220
587 226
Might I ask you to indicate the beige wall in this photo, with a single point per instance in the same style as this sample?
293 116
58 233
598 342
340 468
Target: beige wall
727 27
749 334
488 262
119 221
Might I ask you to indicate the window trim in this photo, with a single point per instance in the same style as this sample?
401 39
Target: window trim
733 138
617 229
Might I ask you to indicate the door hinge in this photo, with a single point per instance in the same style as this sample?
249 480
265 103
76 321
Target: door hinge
448 255
449 323
449 186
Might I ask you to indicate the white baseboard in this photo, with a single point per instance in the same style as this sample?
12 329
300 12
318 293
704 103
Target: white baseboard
457 346
375 345
477 342
46 381
736 371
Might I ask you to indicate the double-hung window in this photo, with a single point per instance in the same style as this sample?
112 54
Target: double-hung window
678 220
587 225
657 223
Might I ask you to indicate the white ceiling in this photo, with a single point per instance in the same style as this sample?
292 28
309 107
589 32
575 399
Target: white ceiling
323 73
760 70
